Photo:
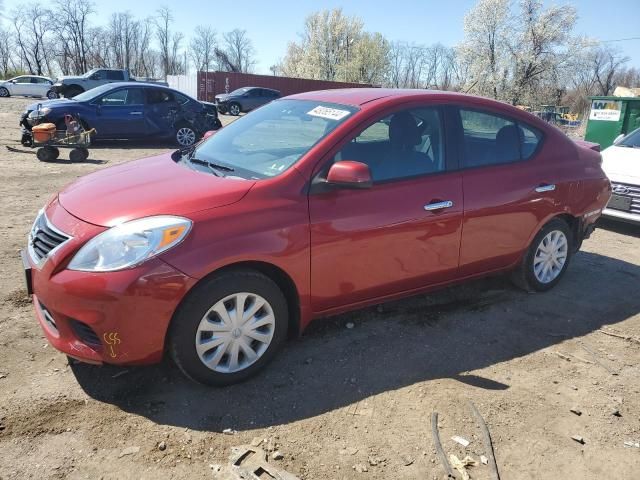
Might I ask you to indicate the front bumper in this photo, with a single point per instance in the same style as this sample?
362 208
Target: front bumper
115 317
620 215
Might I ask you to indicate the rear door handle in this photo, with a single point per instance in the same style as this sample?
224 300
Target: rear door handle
135 113
545 188
438 205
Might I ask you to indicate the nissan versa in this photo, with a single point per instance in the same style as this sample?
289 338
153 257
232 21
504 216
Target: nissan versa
311 205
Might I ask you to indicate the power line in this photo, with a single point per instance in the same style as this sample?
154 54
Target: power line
620 40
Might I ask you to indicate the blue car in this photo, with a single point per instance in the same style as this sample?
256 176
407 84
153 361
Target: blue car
128 111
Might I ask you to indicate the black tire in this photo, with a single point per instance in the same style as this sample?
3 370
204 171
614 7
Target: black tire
52 152
4 92
78 155
72 91
43 154
525 276
235 109
25 139
51 95
184 326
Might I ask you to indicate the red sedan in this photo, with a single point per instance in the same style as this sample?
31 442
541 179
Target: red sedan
314 204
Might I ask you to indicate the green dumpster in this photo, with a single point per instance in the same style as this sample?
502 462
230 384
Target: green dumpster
611 116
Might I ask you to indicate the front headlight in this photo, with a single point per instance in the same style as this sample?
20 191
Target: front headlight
130 243
39 112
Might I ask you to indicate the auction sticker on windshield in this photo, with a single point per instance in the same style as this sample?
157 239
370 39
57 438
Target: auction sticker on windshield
328 113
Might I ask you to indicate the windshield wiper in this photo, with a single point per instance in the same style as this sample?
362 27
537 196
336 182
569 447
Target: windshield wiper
216 168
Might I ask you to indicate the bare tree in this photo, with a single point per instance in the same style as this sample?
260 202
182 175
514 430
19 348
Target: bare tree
169 42
607 62
202 48
239 50
5 52
32 27
72 24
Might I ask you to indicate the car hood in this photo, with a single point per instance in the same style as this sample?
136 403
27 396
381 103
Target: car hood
69 77
622 164
58 102
223 97
151 186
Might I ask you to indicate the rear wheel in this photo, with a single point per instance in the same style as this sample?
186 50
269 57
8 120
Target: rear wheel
78 154
185 135
229 328
547 259
47 154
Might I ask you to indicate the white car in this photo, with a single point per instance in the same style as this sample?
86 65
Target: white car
28 86
621 163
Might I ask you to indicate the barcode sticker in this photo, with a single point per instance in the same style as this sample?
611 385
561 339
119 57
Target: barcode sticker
328 113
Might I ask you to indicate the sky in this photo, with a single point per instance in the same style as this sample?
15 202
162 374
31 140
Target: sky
272 24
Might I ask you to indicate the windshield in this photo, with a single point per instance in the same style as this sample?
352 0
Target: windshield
631 140
269 140
239 91
93 93
90 72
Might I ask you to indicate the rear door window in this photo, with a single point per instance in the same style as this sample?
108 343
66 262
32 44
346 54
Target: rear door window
156 95
115 75
490 139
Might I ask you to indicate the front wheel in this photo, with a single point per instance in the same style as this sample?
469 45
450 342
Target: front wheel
229 328
234 109
51 95
4 92
547 259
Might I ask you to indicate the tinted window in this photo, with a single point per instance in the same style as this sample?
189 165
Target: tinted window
159 96
23 80
181 99
115 75
530 140
127 96
491 139
401 145
40 80
631 140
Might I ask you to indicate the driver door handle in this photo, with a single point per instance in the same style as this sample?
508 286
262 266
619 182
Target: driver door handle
545 187
135 113
438 205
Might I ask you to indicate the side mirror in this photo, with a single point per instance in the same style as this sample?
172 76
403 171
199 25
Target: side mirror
618 138
350 174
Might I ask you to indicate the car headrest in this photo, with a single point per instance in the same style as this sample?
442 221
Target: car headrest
404 134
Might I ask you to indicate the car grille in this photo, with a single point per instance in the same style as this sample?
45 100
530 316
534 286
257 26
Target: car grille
85 333
626 190
48 318
44 238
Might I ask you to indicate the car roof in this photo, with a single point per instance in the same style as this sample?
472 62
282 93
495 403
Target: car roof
360 96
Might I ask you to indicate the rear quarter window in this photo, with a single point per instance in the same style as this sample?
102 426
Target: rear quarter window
491 139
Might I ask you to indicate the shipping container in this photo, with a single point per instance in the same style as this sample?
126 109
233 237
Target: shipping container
212 83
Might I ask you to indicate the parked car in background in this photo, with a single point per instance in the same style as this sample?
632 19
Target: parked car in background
28 86
129 110
70 86
244 99
312 205
621 162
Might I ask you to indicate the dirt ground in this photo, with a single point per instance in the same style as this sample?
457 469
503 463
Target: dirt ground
338 403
